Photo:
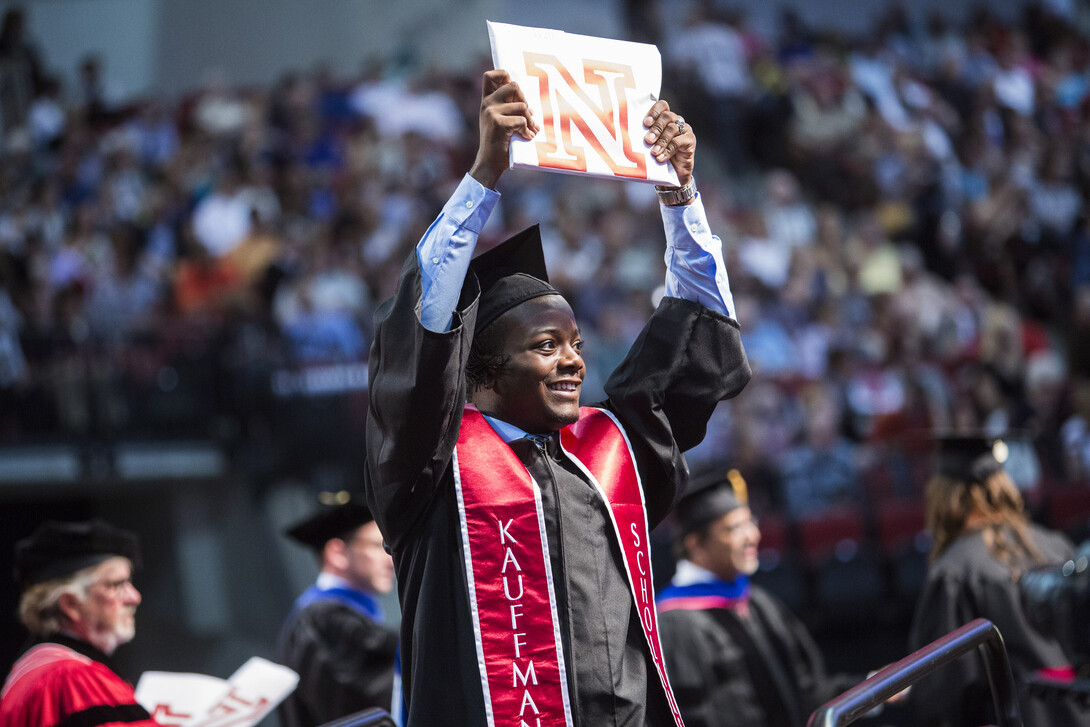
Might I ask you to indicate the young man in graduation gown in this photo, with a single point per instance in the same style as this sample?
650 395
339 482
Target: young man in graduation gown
79 604
335 637
517 520
736 656
982 542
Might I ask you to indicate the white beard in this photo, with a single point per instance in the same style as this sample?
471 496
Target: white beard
107 640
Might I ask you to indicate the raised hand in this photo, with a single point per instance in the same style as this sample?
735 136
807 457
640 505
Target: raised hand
671 138
504 113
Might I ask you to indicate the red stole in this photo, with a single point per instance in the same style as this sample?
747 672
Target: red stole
512 599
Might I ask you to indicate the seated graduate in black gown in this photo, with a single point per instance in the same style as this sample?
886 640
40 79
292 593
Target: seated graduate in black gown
737 656
335 636
982 542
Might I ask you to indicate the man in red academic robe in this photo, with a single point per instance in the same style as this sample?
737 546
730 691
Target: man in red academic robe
79 603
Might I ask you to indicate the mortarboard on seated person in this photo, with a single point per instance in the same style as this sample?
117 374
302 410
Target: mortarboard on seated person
335 636
737 656
713 509
982 541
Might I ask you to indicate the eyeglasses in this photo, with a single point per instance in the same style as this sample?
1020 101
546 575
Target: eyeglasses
115 586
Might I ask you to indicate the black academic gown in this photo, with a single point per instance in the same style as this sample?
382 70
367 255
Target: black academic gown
965 583
345 662
686 360
761 669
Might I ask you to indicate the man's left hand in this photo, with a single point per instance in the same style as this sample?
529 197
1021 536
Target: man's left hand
671 138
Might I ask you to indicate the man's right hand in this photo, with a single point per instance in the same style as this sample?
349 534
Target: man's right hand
504 112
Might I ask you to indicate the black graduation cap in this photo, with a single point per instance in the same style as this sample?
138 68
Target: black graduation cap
710 497
336 520
970 457
56 549
511 273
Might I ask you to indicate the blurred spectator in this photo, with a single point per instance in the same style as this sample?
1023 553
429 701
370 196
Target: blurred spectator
220 111
151 134
398 109
879 265
47 118
710 50
222 219
202 284
822 471
258 251
21 72
1014 84
1076 436
788 219
1048 400
941 47
124 296
770 349
828 114
13 368
321 335
97 96
873 69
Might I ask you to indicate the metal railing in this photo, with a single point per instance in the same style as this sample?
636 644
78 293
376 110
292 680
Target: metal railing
865 696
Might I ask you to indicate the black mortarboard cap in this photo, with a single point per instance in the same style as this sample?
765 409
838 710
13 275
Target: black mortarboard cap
970 457
56 549
330 521
708 498
511 273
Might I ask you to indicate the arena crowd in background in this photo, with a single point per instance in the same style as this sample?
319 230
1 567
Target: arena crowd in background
904 215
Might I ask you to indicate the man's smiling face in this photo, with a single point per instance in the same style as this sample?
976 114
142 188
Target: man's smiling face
537 389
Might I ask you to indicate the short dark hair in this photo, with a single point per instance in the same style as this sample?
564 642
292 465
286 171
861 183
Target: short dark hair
681 552
486 359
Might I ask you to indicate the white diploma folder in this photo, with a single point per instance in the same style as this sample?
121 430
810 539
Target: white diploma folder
589 97
199 700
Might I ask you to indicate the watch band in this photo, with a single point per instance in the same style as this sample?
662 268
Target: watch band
681 195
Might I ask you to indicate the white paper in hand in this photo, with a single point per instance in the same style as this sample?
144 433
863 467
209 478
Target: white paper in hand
179 700
198 700
589 97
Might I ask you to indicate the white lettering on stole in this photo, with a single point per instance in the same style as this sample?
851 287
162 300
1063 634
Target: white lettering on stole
518 676
509 557
528 700
515 615
507 590
518 644
647 616
503 531
527 675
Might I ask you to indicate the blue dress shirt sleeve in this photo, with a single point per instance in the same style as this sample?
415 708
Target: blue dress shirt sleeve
446 249
694 259
694 256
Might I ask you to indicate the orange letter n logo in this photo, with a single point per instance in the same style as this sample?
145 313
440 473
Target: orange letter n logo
604 125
